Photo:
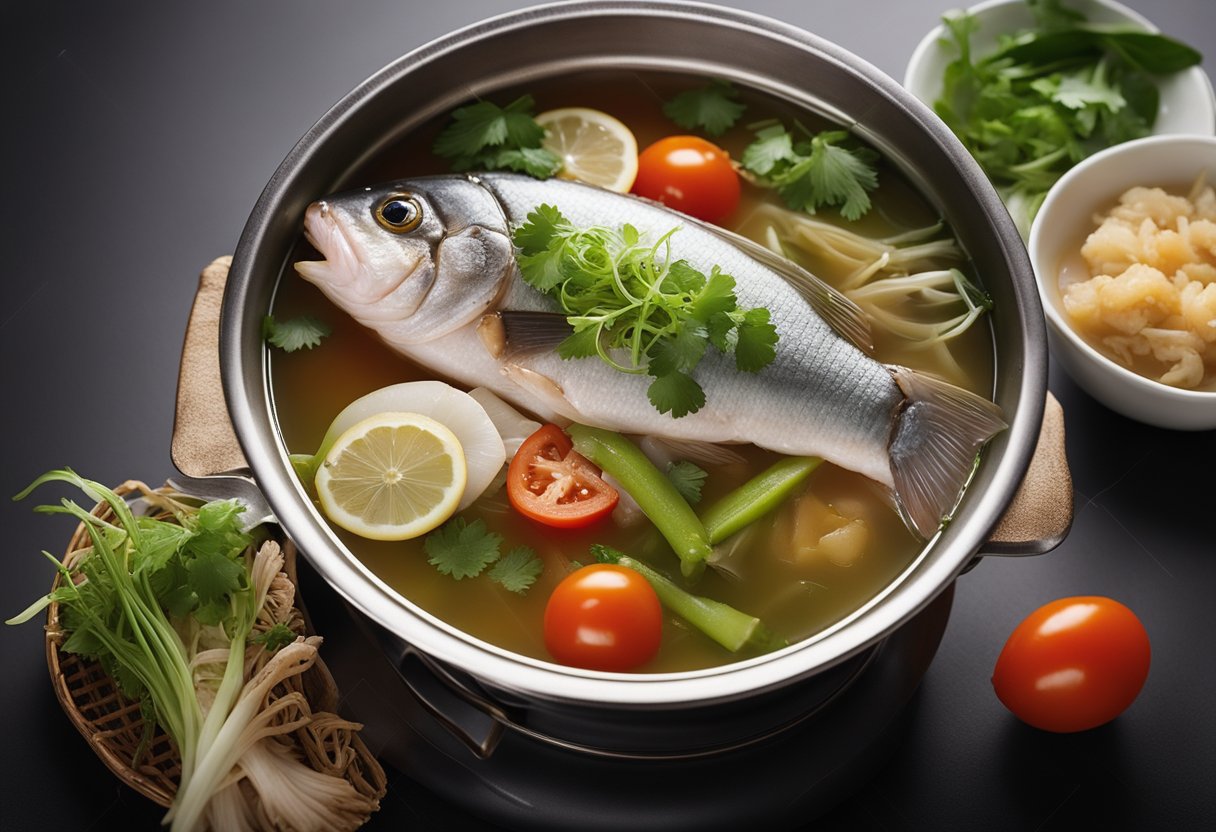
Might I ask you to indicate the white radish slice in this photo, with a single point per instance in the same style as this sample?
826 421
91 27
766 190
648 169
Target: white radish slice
513 426
455 409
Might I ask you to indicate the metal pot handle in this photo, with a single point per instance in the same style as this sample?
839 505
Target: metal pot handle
204 443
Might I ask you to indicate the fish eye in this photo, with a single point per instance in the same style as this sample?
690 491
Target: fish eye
399 213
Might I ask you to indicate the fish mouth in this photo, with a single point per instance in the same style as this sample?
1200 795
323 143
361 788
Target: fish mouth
342 261
349 269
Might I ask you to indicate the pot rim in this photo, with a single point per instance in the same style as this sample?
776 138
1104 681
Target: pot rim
247 390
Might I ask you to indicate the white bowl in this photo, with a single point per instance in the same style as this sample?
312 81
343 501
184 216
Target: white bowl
1187 103
1059 230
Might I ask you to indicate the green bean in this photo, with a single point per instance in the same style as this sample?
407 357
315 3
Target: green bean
721 622
757 497
654 493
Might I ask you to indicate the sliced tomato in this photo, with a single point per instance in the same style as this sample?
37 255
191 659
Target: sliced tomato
550 483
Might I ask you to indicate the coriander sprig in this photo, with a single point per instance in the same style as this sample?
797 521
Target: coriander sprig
639 310
1050 96
713 108
812 170
461 549
484 136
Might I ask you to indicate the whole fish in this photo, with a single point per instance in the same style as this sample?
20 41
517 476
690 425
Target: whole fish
429 264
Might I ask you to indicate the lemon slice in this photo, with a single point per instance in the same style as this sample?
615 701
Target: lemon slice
594 147
392 476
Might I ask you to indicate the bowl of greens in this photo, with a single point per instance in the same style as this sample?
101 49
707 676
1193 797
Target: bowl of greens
1032 87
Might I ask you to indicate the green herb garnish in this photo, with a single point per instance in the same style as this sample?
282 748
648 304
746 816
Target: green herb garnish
688 480
812 170
484 136
714 108
637 309
517 570
276 637
1050 97
297 333
462 549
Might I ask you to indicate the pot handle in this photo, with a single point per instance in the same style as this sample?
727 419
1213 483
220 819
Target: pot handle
1040 514
204 443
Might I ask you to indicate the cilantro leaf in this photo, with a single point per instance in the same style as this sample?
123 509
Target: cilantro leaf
517 570
486 136
813 174
584 343
676 393
537 162
717 295
161 541
682 277
214 576
543 223
681 351
713 108
276 637
304 332
772 145
462 549
757 344
688 480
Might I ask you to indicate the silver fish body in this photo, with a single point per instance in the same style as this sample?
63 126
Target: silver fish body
426 289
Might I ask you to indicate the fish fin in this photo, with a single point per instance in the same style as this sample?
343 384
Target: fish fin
841 314
937 435
533 331
544 389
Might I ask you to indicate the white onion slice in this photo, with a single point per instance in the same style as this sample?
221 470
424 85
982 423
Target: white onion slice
458 411
513 426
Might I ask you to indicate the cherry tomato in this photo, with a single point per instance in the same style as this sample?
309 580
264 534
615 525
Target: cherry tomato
550 483
1073 664
603 617
689 174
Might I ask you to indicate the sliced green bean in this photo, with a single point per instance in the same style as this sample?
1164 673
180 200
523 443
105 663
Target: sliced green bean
723 623
757 497
654 493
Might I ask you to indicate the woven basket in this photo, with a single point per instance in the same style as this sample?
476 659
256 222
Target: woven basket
114 727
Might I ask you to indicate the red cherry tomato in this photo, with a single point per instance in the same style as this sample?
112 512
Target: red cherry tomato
551 484
1073 664
603 617
689 174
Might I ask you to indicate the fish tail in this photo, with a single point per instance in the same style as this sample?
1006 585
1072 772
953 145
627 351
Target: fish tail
938 432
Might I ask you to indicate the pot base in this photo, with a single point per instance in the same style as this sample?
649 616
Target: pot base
782 781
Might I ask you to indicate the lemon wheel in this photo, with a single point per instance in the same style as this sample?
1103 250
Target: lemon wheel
594 147
392 476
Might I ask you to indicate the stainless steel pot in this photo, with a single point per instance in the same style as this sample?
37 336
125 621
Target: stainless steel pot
704 711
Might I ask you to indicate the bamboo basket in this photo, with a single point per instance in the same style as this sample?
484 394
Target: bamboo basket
114 727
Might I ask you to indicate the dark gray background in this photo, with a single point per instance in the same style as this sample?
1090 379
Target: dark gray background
135 141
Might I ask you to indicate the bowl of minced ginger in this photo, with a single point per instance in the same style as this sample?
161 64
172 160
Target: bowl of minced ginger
1124 253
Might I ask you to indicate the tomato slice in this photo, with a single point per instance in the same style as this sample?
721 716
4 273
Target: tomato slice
550 483
691 175
603 617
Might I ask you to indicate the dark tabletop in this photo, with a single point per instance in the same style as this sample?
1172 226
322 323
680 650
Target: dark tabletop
136 140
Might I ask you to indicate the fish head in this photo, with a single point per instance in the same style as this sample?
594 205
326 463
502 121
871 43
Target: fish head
413 258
